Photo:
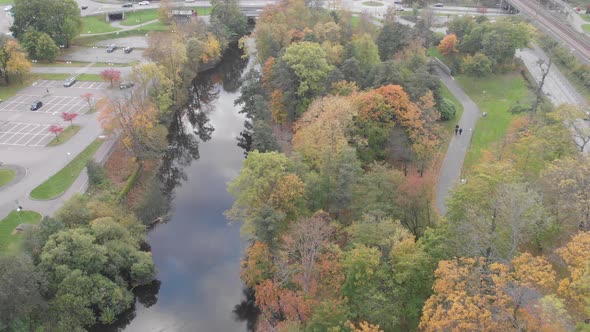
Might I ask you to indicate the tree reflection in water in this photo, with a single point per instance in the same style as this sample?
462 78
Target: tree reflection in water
189 126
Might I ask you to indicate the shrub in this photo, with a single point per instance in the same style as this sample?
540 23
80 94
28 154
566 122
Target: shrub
447 109
96 173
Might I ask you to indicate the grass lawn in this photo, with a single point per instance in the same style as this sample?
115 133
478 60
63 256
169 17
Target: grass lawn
6 175
6 2
63 76
62 180
107 64
140 16
96 24
61 64
372 3
586 27
10 243
501 93
140 31
203 11
15 86
64 136
156 26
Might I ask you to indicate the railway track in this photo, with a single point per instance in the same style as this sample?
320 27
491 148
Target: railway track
571 37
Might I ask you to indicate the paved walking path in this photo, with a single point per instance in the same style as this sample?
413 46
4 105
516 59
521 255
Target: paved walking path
450 171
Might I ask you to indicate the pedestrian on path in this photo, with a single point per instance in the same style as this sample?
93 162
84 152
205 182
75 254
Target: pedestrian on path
460 131
47 89
456 131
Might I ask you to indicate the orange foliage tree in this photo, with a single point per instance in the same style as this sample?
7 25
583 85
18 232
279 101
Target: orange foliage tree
448 46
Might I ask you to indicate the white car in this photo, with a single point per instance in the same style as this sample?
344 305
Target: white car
143 3
7 8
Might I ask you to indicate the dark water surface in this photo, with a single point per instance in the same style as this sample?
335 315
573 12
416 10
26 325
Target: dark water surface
197 252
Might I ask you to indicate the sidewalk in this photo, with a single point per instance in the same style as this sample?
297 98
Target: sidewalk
450 171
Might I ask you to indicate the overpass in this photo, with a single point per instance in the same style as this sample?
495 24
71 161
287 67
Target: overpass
577 42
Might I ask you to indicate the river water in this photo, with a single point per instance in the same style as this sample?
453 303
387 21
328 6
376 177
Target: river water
197 252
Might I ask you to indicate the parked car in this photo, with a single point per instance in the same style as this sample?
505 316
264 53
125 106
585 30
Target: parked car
84 7
7 8
126 85
128 49
143 3
68 82
36 105
438 5
129 4
111 48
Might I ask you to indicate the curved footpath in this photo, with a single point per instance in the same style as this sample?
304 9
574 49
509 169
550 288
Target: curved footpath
450 171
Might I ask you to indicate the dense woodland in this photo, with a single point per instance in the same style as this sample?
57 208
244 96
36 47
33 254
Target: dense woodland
345 126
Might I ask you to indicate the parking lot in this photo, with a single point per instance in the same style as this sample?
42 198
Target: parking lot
77 85
25 134
51 104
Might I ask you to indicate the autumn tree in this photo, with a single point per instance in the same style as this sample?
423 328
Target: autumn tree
448 46
476 294
574 289
56 130
69 117
567 192
168 50
111 75
88 97
13 59
304 243
165 11
153 84
138 124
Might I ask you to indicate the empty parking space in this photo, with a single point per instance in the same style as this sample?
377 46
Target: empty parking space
25 134
51 104
77 85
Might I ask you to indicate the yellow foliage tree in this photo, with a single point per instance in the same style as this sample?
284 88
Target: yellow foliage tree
13 59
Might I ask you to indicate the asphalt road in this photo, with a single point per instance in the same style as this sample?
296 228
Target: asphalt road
557 88
40 163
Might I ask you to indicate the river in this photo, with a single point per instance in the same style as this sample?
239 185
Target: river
198 252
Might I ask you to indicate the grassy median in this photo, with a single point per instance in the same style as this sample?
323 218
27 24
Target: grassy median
501 93
6 175
10 240
62 180
64 136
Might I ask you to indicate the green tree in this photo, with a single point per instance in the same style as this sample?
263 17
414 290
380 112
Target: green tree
393 36
20 290
447 109
258 187
461 26
39 45
478 65
308 61
60 19
363 48
227 12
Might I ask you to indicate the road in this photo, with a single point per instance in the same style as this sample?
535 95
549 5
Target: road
578 42
557 88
